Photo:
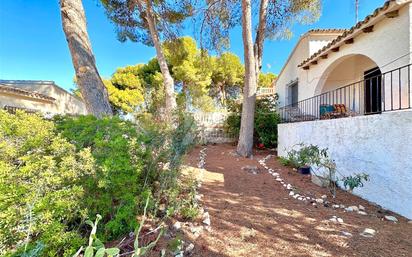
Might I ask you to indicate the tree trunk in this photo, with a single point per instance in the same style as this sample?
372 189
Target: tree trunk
223 92
260 37
167 78
88 79
245 144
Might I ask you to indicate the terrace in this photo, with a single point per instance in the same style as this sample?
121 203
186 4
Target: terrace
376 94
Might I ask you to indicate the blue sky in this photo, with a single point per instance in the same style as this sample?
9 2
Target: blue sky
33 46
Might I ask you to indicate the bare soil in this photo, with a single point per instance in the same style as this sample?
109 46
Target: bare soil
253 215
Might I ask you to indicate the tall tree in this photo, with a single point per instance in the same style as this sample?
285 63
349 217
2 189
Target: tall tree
266 79
148 22
190 69
88 79
245 143
227 74
275 17
125 89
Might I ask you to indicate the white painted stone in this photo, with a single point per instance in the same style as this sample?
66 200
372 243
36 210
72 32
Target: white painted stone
177 226
349 209
368 232
324 197
362 213
391 218
190 248
333 219
353 208
361 208
319 200
340 220
206 218
291 193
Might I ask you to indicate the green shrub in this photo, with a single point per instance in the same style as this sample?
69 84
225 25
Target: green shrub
54 175
265 123
305 155
232 124
41 187
132 161
118 152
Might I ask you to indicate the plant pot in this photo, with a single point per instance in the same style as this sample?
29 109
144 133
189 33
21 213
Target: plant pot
305 170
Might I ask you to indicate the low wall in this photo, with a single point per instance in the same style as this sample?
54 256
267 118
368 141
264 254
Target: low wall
379 145
211 127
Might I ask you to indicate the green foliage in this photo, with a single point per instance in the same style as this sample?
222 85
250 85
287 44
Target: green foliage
220 17
132 161
142 250
125 89
190 70
129 17
41 187
175 245
232 124
319 159
266 79
355 181
117 150
266 128
227 76
306 155
96 248
265 123
56 174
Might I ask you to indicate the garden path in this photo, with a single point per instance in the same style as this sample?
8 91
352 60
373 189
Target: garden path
254 215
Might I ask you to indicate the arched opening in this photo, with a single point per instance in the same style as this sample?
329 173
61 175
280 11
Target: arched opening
353 81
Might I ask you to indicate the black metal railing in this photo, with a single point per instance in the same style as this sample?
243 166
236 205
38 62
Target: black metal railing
385 92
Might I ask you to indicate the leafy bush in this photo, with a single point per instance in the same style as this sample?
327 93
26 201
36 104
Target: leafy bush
322 165
305 155
355 181
265 123
132 161
54 175
41 187
118 151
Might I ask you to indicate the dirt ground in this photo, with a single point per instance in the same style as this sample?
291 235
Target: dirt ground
253 215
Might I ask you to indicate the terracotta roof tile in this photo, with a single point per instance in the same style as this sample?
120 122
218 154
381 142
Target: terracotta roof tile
19 91
348 32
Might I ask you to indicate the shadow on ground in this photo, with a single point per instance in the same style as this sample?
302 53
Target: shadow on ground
252 215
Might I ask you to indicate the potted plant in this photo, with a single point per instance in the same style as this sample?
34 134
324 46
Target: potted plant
304 169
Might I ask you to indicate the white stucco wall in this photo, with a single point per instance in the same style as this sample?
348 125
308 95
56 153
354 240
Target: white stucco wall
380 145
307 45
65 102
389 46
19 101
349 71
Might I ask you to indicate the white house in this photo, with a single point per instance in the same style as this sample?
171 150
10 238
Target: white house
39 96
362 75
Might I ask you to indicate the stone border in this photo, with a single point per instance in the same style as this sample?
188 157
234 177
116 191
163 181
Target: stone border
315 201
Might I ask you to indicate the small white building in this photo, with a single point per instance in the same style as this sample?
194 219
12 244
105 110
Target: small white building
39 96
362 75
